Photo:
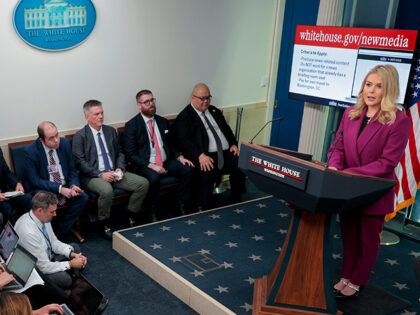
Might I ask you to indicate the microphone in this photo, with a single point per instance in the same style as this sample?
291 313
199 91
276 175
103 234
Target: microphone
332 151
270 121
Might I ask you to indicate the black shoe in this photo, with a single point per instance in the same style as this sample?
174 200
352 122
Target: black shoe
107 232
132 218
181 208
104 229
102 306
341 296
131 221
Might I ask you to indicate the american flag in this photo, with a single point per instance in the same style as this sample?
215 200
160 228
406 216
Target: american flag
408 170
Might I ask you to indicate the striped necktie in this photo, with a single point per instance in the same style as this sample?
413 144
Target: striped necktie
47 240
56 176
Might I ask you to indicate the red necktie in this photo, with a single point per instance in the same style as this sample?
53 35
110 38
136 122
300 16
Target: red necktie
158 158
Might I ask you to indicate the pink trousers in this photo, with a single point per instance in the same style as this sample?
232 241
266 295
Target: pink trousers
361 242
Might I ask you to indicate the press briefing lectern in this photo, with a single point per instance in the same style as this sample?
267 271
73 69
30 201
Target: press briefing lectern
301 279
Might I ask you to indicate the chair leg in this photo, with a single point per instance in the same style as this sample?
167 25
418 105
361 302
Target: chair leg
75 230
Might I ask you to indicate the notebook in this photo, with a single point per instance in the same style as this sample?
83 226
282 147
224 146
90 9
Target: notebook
20 265
13 194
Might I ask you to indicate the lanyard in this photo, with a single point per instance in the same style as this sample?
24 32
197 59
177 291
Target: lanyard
46 238
150 134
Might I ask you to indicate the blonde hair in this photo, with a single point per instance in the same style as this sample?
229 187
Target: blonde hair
14 304
390 88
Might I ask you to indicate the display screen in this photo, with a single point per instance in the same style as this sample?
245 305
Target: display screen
330 63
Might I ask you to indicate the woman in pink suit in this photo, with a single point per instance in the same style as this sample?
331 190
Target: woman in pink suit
375 134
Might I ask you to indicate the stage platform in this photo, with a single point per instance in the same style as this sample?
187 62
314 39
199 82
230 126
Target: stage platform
209 260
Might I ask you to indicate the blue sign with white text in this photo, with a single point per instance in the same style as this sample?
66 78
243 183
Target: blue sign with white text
54 24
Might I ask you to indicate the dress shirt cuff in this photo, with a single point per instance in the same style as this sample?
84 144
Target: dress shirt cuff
59 189
61 266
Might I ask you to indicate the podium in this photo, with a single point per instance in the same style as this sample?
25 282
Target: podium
301 280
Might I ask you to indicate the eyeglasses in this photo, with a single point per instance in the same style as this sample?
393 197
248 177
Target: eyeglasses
205 98
147 102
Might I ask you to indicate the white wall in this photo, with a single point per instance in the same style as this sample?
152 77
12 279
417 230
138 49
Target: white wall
163 45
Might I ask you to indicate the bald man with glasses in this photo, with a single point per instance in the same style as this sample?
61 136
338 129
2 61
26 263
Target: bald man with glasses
202 134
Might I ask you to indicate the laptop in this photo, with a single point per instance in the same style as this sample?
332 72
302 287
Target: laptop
8 240
20 265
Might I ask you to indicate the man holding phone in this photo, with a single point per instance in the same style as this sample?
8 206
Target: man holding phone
49 167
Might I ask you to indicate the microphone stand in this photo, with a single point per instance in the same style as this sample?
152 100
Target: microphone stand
270 121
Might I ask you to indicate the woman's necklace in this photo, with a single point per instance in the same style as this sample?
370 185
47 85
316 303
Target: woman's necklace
369 118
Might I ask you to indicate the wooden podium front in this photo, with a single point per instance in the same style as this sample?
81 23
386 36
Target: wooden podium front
301 279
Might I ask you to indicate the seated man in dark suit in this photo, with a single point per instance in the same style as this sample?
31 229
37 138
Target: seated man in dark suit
147 148
101 165
203 135
49 167
10 207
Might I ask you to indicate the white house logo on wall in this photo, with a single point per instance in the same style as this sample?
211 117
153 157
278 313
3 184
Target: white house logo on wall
54 24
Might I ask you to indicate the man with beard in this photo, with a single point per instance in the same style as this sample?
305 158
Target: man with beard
147 147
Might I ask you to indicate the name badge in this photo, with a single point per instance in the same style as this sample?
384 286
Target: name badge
153 152
52 169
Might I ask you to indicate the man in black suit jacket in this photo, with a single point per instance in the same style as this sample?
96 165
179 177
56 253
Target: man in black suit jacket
101 166
203 135
9 207
150 153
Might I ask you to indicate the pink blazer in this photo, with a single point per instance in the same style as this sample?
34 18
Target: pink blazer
376 152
